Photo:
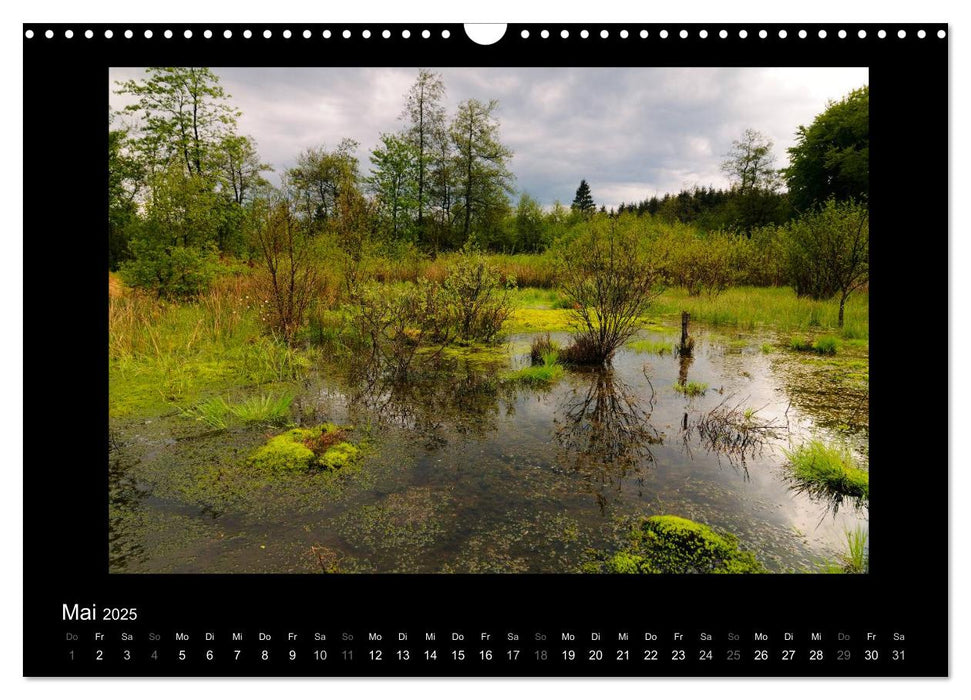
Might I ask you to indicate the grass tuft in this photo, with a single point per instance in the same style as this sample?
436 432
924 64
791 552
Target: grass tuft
829 471
691 388
543 374
219 414
823 345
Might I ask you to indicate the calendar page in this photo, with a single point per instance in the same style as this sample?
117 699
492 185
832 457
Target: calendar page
526 350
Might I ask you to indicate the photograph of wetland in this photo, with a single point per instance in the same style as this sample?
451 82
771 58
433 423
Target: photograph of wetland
488 320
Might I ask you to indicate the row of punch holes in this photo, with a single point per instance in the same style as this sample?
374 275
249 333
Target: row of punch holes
524 34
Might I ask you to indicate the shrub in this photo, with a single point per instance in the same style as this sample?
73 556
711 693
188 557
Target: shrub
396 322
608 277
476 302
290 276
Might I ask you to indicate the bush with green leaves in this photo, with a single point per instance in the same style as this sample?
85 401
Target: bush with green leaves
609 277
395 322
475 299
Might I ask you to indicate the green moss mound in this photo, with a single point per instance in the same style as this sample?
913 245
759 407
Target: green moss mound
302 449
668 544
829 470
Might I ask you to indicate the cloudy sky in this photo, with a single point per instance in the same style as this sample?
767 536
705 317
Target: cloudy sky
630 132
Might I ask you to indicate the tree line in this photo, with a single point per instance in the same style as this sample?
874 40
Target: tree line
186 187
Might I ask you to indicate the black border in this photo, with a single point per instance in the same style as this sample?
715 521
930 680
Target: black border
65 559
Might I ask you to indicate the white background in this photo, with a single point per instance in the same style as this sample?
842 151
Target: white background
13 278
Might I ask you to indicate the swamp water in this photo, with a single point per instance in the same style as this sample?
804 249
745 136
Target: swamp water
466 472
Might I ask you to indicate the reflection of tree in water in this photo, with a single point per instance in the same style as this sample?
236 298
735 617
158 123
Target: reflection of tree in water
605 434
124 498
436 399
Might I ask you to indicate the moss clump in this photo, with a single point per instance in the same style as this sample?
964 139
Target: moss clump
340 455
668 544
302 449
828 471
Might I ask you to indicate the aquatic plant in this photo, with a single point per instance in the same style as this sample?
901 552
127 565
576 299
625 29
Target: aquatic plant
301 449
668 544
828 471
691 388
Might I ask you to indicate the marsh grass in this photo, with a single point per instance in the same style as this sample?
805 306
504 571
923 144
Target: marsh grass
823 345
654 347
540 374
828 471
779 307
162 353
219 414
542 347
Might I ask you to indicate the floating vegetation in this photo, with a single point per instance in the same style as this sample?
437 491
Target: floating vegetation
828 471
691 388
302 449
668 544
823 345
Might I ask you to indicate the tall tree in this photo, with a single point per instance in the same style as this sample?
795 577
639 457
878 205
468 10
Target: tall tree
125 181
319 176
583 200
426 116
482 164
831 157
240 167
392 180
750 163
184 114
829 251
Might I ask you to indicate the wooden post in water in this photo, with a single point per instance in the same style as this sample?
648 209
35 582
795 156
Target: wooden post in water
686 342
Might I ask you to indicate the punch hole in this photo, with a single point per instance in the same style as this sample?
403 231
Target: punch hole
68 33
941 34
742 34
29 34
487 34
